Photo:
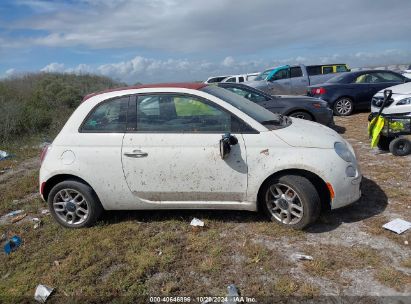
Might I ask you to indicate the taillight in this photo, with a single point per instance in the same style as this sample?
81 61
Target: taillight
318 91
44 153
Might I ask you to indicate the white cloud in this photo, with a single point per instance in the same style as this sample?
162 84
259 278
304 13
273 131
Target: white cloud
228 61
147 70
10 72
53 67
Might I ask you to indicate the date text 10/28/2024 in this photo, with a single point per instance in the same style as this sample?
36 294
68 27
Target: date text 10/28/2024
207 299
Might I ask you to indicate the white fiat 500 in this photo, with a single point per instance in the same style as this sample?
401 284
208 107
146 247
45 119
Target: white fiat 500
193 146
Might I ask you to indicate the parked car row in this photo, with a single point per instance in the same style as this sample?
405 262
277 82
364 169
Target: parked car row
295 79
354 90
232 78
303 107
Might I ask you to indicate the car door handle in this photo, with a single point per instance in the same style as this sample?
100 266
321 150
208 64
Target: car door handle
136 154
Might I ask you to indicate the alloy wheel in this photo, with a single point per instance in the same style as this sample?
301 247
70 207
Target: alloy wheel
71 206
343 106
284 204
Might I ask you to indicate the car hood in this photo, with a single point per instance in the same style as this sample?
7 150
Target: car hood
308 134
403 89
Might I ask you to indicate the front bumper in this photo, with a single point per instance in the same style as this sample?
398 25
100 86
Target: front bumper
347 192
324 116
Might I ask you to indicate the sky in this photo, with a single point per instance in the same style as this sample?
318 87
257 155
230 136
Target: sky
175 40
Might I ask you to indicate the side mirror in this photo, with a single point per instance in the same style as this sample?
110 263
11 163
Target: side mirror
226 142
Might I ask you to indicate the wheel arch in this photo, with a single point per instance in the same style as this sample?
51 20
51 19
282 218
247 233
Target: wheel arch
54 180
319 184
295 110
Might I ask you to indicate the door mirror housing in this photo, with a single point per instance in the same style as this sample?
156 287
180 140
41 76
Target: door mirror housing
226 142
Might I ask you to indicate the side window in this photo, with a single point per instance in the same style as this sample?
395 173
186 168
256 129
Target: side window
328 70
231 79
313 70
296 72
180 113
241 79
281 74
367 78
341 68
389 77
109 116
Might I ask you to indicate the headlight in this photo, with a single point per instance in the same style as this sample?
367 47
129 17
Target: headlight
342 150
405 101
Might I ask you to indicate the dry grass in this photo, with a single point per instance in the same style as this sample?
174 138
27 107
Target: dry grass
393 278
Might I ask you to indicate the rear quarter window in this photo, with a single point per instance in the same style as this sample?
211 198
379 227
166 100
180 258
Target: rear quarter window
109 116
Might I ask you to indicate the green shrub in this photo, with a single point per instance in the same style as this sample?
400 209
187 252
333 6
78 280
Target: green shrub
41 103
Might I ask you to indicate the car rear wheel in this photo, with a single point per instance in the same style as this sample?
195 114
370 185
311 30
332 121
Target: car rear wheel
343 106
291 200
400 146
74 204
302 115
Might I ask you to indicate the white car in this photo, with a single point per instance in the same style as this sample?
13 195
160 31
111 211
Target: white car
400 103
241 78
407 72
216 79
193 146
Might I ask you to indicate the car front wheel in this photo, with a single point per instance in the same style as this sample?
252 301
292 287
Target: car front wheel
291 200
343 106
302 115
74 204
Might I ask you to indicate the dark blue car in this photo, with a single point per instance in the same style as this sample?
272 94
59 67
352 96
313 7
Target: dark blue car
354 90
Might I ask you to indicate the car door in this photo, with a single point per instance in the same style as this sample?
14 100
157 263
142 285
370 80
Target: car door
280 82
173 152
362 89
298 83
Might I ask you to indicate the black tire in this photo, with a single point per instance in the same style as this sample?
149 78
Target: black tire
92 203
302 115
343 106
307 196
400 146
384 143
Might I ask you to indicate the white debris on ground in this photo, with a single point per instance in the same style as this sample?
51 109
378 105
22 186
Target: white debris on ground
197 223
301 257
398 226
42 293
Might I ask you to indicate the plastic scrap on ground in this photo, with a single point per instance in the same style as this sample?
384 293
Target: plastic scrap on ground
18 218
195 222
398 226
12 244
4 155
37 222
42 293
45 211
302 257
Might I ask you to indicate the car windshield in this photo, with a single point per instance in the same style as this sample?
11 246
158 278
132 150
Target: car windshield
263 75
343 78
253 110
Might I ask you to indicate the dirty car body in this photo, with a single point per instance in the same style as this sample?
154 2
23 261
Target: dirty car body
193 146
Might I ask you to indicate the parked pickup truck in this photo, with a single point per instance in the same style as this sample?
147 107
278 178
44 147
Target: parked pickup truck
294 79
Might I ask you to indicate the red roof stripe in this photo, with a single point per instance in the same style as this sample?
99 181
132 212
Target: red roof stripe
183 85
